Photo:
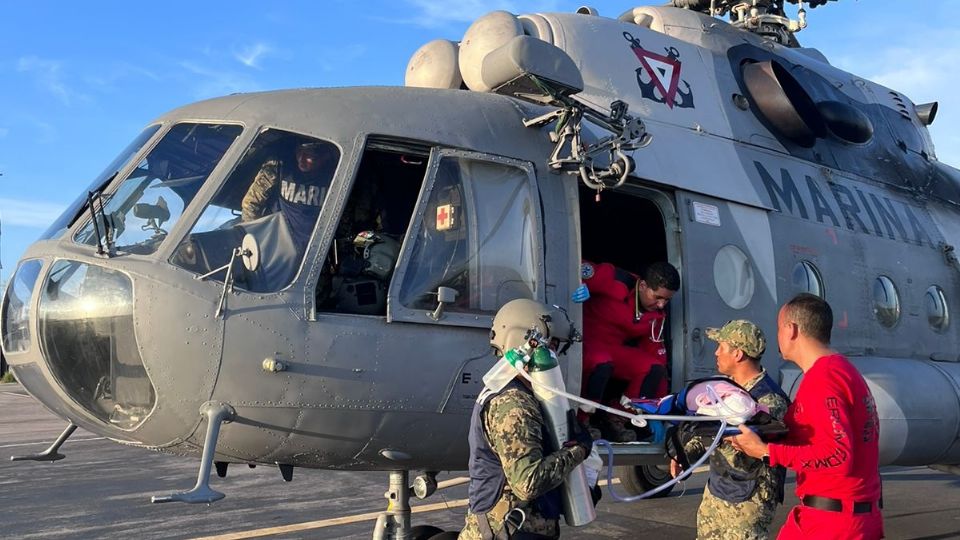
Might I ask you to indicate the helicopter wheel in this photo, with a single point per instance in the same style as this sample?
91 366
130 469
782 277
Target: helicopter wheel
449 535
642 478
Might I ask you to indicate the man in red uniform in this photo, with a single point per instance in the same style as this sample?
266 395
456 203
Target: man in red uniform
623 333
834 433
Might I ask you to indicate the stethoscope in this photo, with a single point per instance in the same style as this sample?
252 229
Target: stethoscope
656 336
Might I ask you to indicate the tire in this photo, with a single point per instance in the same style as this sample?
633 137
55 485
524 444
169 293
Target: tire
449 535
424 532
642 478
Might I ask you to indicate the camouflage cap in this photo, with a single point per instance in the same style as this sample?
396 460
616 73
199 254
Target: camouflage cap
743 335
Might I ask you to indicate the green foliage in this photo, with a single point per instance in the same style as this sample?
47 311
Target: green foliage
8 377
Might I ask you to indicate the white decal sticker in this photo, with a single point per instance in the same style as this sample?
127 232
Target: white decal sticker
706 213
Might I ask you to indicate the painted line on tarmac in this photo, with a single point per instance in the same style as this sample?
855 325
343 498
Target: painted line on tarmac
310 525
39 443
452 482
357 518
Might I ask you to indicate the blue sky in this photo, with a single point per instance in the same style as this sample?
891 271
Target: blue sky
81 79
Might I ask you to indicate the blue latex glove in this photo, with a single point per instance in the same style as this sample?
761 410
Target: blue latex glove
581 295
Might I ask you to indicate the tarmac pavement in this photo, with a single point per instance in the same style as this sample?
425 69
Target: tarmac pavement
102 490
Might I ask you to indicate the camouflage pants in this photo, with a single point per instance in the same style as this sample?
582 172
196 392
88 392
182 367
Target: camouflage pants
720 520
534 523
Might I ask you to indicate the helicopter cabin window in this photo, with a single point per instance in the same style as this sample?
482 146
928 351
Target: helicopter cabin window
136 216
478 235
937 313
733 276
365 247
274 195
806 278
886 302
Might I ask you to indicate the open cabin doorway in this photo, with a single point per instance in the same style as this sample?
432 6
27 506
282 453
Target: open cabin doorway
630 228
627 229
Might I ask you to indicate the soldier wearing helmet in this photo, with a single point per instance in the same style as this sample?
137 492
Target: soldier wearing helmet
514 471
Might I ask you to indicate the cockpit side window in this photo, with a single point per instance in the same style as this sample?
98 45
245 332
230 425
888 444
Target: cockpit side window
479 235
136 216
362 257
274 194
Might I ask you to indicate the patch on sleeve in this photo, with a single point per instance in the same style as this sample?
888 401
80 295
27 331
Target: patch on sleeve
586 271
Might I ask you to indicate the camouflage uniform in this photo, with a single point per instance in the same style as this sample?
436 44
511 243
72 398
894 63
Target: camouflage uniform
261 191
515 429
718 519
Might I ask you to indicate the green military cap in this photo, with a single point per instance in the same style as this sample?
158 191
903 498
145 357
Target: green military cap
741 334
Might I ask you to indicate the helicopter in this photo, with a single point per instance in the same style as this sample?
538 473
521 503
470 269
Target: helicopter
177 307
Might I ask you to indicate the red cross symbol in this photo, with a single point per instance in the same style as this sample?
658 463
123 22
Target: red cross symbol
444 217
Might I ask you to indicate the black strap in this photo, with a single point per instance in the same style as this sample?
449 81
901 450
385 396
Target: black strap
486 533
674 447
836 505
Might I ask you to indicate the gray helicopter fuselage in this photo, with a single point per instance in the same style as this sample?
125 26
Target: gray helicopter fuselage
745 213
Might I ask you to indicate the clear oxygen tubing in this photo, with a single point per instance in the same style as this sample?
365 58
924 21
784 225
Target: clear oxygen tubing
679 478
637 419
640 420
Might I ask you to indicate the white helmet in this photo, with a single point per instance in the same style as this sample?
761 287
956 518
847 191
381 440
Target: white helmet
514 321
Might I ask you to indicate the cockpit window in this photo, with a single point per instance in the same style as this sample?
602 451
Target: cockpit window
135 217
479 236
275 195
70 214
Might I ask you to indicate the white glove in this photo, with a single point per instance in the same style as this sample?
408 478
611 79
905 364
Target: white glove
592 466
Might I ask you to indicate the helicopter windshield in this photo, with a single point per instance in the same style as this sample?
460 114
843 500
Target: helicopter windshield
70 214
137 215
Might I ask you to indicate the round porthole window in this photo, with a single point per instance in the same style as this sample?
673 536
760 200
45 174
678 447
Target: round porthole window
937 314
886 301
733 276
806 278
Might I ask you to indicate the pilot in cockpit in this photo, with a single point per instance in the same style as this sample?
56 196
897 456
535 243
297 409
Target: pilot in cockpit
297 192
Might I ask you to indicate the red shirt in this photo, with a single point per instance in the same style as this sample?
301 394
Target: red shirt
833 442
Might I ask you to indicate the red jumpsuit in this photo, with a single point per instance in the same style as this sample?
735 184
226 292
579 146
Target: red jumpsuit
608 324
833 444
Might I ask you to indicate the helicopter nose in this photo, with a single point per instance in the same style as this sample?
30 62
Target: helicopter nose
87 337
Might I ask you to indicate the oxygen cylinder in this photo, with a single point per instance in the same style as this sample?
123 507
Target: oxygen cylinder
578 506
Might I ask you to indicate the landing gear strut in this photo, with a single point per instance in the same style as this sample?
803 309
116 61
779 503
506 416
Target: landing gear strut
216 413
51 453
394 522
